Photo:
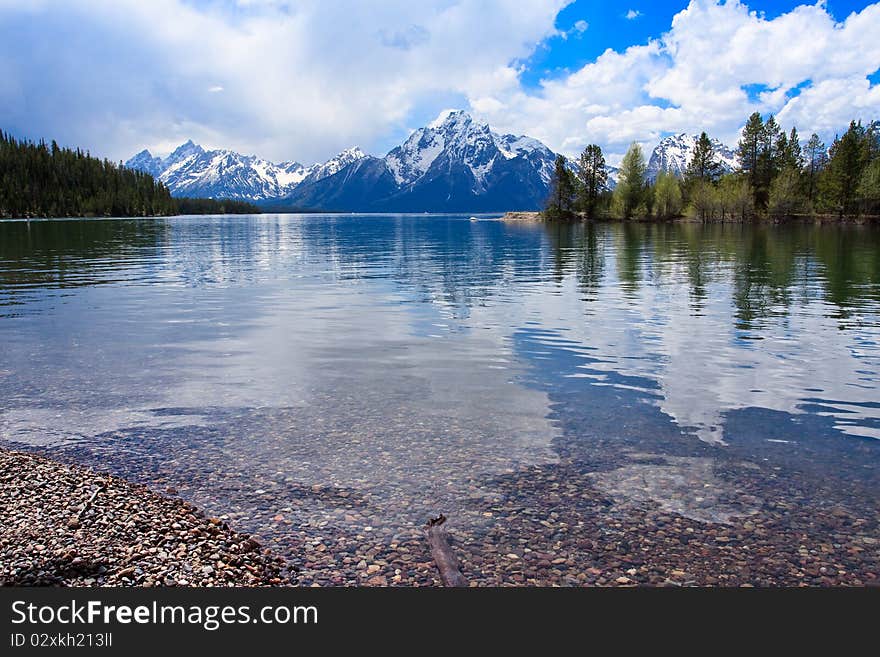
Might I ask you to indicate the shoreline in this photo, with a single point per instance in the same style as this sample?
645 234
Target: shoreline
557 524
91 529
536 217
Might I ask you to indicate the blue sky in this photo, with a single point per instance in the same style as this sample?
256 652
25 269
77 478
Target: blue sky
304 79
620 25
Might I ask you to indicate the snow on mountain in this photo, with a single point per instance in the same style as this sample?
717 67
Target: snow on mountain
335 164
458 138
452 164
453 133
290 174
192 171
144 161
674 153
613 175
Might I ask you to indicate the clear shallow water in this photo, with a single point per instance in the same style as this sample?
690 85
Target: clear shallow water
283 366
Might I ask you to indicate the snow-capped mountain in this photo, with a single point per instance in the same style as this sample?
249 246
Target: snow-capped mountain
674 153
453 164
194 172
455 137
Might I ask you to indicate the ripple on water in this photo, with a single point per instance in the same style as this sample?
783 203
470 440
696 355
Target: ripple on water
306 375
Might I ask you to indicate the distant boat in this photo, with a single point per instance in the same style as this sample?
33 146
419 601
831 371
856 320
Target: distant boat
474 219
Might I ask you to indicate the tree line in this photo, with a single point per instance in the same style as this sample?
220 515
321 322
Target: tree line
40 180
213 206
777 176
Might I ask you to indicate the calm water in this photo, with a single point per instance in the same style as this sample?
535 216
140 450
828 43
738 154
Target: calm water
263 364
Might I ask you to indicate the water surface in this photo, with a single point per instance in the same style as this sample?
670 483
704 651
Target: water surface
318 374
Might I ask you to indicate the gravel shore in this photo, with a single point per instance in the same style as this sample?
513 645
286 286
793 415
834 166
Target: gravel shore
722 522
64 525
528 217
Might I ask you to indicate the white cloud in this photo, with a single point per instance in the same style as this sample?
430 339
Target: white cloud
301 79
632 14
577 30
810 70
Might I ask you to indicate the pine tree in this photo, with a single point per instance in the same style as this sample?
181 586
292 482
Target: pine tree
630 191
871 142
592 178
846 164
749 148
763 152
37 180
774 144
815 160
560 204
792 156
704 166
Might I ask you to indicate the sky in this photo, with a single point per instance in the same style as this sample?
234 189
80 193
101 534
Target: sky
304 79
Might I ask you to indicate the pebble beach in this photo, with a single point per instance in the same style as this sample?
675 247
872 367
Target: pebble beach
554 525
63 525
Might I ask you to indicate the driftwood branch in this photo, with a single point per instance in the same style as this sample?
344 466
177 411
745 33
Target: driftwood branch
447 564
91 499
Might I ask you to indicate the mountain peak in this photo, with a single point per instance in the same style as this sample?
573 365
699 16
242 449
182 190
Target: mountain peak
185 150
454 163
449 117
354 153
335 164
452 136
144 161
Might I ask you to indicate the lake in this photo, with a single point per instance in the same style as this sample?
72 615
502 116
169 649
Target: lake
609 403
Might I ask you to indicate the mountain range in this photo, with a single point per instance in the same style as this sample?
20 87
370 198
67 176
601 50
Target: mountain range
454 164
191 171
